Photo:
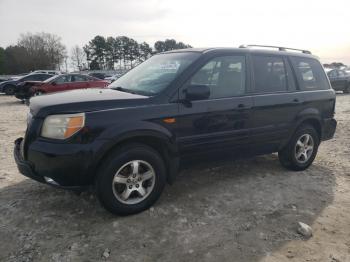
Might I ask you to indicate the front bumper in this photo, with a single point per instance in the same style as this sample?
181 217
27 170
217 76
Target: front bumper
27 169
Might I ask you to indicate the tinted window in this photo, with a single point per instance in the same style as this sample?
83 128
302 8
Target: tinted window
269 74
225 76
310 73
78 78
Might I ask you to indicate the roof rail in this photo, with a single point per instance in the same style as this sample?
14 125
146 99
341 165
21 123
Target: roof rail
280 48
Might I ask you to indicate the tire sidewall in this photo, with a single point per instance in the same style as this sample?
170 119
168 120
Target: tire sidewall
105 178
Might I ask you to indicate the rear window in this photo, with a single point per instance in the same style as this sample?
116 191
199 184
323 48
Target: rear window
310 74
269 74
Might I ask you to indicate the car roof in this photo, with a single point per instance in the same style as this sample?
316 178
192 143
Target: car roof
241 50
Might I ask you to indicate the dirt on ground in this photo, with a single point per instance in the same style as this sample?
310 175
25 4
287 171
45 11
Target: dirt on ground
242 210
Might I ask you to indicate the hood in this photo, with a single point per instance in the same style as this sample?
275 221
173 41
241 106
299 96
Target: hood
83 100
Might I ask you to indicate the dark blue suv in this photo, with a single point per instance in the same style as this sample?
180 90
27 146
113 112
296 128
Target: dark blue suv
129 140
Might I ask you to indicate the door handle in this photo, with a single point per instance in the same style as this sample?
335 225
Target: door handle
241 106
296 100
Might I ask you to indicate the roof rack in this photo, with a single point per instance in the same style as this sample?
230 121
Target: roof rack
280 48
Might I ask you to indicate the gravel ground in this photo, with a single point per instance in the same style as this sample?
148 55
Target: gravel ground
243 210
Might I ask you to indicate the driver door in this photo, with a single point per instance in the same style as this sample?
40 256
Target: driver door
223 120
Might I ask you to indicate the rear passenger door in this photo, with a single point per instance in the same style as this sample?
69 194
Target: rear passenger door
276 102
318 98
223 120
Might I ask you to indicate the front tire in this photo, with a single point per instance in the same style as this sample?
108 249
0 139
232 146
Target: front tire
347 89
131 179
301 150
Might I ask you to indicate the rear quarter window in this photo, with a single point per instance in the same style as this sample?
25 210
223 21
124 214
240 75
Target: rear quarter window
310 74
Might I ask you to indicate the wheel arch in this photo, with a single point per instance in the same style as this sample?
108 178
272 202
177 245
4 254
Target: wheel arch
309 116
160 142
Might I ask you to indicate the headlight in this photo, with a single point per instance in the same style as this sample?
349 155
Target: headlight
62 126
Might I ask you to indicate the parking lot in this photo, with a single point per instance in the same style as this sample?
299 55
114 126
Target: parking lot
242 210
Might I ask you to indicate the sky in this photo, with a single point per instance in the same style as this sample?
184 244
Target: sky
323 27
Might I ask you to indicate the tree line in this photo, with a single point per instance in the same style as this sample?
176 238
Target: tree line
46 51
32 51
122 52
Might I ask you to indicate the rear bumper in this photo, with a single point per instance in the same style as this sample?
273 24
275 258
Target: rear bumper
329 127
27 169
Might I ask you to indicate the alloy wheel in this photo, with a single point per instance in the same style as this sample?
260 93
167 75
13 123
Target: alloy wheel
304 148
133 182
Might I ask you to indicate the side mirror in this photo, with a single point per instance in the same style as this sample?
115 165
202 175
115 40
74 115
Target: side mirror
197 92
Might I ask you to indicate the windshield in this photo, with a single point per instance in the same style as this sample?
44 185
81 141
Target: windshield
155 74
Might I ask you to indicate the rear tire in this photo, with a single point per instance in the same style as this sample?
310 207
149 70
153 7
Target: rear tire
9 90
131 179
301 150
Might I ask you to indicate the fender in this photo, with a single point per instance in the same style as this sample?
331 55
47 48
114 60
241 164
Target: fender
117 134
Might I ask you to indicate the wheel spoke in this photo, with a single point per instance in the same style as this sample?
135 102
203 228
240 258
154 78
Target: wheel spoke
306 141
126 194
147 175
120 180
135 167
142 191
299 155
300 144
309 148
304 156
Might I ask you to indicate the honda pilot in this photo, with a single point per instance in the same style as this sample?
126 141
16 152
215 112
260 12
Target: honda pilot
129 140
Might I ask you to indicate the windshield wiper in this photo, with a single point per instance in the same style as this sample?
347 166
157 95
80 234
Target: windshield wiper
135 92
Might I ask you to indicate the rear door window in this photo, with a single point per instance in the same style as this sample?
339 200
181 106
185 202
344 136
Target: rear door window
310 74
269 74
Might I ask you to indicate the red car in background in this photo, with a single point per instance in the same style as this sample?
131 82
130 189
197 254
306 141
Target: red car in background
58 83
